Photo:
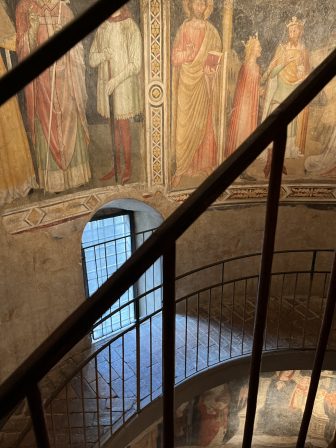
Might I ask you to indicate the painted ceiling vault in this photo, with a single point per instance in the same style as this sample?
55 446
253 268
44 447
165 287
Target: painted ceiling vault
156 98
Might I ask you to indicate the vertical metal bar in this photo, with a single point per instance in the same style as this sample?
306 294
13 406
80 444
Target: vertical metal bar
37 416
311 280
68 414
209 327
97 399
83 408
221 315
150 359
110 388
264 281
52 422
293 311
197 332
186 339
280 309
123 376
86 282
244 317
168 340
265 332
232 311
319 356
138 356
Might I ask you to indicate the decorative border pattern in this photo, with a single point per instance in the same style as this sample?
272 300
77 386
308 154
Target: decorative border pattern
155 90
308 193
53 212
56 211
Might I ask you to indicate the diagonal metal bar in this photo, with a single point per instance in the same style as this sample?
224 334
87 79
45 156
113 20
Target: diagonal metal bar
56 47
168 344
79 323
319 356
37 416
274 187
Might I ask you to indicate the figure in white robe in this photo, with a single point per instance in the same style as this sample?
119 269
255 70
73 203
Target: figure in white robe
116 51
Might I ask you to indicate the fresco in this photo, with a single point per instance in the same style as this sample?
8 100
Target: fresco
81 122
216 417
233 63
157 97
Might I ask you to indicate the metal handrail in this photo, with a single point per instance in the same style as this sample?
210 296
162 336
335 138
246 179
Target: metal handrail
23 382
79 323
157 311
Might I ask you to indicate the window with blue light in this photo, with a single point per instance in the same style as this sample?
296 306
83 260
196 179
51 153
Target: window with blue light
106 245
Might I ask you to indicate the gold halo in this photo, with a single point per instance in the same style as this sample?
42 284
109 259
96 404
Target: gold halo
207 12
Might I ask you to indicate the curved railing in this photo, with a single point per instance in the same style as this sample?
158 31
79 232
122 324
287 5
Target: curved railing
24 382
214 323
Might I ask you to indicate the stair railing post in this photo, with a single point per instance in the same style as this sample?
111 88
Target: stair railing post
319 356
168 345
278 154
37 416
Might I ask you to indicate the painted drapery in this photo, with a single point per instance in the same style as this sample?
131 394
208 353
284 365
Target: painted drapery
56 100
17 175
195 94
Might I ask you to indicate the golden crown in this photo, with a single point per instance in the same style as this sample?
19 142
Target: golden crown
251 40
295 21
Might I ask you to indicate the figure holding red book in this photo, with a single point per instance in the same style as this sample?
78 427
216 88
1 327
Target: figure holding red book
195 59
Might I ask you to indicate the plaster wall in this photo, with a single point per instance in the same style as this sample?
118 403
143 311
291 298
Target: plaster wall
41 280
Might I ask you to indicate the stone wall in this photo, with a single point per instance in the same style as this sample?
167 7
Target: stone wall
41 280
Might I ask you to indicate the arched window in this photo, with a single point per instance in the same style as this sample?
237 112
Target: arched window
108 240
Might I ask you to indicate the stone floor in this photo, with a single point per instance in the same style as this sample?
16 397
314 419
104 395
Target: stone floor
105 392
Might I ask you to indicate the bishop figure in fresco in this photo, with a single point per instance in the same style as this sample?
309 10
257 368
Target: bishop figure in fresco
195 59
55 100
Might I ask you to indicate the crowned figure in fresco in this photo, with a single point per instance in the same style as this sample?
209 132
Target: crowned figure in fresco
117 52
195 59
17 175
56 99
324 163
288 68
245 107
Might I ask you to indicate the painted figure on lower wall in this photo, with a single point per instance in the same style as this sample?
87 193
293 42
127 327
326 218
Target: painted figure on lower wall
195 59
17 175
117 53
55 100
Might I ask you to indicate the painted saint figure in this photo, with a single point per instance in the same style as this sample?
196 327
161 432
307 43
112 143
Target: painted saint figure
116 51
17 175
55 100
195 58
244 115
289 66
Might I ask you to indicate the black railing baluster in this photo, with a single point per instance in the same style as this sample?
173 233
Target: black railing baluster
319 356
273 197
37 416
168 342
311 280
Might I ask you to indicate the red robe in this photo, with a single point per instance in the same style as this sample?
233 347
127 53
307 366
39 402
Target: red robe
244 116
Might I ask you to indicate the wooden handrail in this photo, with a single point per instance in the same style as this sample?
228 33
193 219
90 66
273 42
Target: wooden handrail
79 323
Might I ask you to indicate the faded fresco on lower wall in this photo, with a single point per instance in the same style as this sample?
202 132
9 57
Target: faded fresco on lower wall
216 417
